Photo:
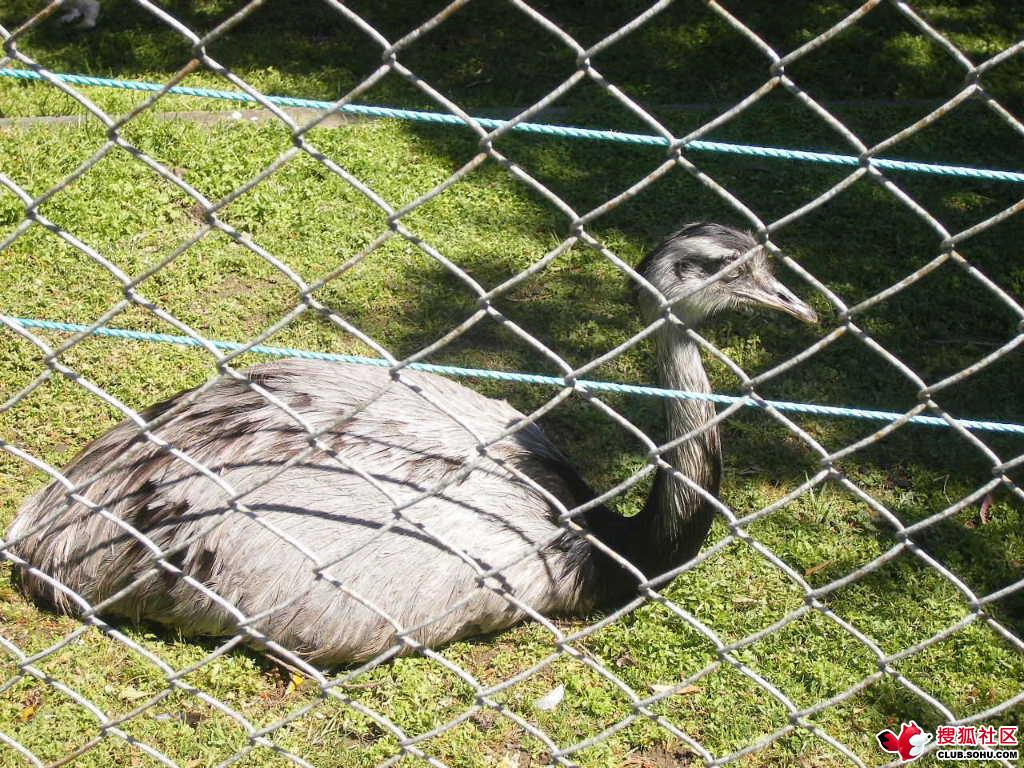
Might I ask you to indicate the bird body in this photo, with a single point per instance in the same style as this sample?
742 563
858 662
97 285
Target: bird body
395 525
318 506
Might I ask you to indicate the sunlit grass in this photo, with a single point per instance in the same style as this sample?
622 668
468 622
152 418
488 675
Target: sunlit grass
493 226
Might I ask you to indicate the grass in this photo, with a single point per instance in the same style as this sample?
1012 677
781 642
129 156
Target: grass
493 227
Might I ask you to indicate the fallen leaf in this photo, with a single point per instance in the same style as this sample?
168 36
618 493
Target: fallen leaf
551 699
508 760
295 681
819 567
30 705
666 687
986 505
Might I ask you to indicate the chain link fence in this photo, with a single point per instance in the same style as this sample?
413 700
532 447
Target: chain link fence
487 700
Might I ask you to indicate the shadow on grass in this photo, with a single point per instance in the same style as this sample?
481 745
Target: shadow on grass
470 55
859 244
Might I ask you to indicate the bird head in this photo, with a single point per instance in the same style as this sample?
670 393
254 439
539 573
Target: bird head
682 266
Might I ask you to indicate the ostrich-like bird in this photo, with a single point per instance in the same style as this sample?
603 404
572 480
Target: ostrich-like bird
331 611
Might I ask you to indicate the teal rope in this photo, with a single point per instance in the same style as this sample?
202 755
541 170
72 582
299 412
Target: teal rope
561 131
527 378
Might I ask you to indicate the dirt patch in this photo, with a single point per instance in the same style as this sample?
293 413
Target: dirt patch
661 756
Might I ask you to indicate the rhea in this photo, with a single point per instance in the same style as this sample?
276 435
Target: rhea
337 552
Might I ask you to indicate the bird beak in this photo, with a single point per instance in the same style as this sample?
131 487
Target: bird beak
772 293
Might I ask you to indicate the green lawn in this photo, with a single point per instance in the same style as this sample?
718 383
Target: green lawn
493 226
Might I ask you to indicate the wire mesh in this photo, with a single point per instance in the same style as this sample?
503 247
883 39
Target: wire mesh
567 642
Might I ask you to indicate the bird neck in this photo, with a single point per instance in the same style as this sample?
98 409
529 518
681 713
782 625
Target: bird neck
676 518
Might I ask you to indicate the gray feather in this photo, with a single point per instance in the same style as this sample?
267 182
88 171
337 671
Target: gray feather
405 444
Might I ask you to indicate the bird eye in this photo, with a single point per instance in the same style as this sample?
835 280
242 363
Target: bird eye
711 265
695 266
